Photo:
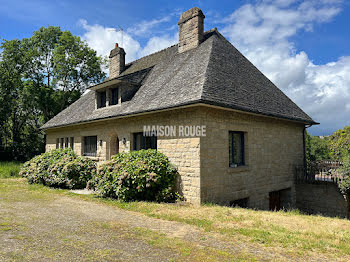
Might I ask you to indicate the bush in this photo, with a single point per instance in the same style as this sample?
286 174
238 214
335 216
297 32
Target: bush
137 175
59 168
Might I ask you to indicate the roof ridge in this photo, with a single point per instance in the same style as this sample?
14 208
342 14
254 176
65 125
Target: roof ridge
162 50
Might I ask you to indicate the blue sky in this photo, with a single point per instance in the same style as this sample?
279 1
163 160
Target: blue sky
301 45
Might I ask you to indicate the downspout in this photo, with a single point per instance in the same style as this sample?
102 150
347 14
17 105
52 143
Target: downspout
304 146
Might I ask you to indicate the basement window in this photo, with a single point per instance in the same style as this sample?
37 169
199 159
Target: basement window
90 146
144 142
243 202
236 148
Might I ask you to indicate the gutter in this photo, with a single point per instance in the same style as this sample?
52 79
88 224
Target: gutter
198 102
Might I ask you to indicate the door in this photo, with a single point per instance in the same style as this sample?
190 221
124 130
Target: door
275 200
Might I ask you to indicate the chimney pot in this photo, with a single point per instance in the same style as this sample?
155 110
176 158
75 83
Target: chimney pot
191 29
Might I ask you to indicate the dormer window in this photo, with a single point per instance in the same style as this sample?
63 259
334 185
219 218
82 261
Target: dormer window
101 99
114 96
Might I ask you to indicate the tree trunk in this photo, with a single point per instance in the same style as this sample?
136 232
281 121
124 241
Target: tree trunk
348 206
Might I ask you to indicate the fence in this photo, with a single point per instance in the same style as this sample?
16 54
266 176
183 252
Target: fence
320 171
317 189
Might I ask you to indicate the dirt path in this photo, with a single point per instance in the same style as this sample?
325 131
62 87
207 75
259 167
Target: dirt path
38 225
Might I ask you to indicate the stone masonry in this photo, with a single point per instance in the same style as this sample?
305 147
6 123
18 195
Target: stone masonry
191 29
117 61
183 152
273 148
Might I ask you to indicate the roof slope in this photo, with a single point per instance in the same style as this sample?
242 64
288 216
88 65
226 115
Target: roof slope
214 73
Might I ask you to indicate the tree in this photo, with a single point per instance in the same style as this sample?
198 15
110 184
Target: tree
344 184
317 148
339 143
39 77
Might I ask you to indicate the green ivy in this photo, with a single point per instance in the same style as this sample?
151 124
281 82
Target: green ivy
137 175
59 168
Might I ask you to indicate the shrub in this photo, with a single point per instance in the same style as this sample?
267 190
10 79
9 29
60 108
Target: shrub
59 168
137 175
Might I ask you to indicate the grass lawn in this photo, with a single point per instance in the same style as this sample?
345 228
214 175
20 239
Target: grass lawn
9 169
291 232
258 235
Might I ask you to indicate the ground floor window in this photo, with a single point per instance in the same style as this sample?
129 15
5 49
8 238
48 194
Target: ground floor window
144 142
57 143
90 146
72 142
236 148
62 143
66 144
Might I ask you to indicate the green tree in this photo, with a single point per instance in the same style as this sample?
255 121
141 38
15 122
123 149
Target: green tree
344 184
339 143
39 77
317 148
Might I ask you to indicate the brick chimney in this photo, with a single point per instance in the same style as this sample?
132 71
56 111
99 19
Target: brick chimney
191 29
116 61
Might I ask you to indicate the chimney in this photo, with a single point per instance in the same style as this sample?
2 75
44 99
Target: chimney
191 29
117 61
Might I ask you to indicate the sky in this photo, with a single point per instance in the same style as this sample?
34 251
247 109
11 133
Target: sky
303 46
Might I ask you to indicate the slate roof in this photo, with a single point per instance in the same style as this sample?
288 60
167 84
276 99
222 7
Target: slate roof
214 73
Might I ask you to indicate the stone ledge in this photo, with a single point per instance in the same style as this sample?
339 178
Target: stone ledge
238 169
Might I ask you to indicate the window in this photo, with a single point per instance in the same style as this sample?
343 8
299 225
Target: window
66 144
243 202
114 96
144 142
62 143
72 142
90 146
57 143
101 96
236 146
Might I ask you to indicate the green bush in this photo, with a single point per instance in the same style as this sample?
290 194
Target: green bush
59 168
137 175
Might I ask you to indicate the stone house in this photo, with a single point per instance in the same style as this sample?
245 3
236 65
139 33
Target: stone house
252 136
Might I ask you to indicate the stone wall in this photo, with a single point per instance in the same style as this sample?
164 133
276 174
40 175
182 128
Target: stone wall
320 198
272 150
183 152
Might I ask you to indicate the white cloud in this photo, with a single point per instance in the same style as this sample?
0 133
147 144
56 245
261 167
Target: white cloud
262 32
157 43
143 28
102 39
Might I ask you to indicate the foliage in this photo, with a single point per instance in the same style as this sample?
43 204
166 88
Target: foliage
137 175
344 185
39 77
9 169
59 168
317 148
339 143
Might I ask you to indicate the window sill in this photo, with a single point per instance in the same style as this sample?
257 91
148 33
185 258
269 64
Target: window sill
109 106
238 169
94 158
